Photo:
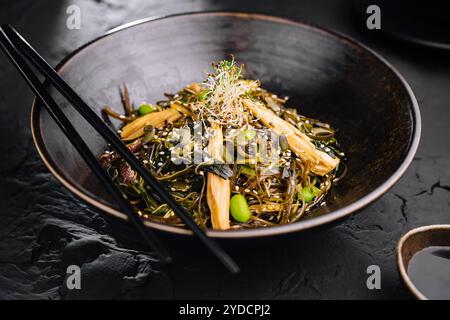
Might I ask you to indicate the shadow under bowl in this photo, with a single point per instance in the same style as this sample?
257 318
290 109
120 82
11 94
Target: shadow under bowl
326 75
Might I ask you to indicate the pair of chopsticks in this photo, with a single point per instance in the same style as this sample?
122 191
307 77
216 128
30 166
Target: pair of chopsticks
18 51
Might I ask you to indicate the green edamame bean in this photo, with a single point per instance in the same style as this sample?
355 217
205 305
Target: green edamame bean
248 171
146 108
309 193
239 208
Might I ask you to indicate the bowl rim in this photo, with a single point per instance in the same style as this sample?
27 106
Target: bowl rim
246 233
400 263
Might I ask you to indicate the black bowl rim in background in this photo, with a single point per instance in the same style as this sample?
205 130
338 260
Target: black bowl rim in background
257 232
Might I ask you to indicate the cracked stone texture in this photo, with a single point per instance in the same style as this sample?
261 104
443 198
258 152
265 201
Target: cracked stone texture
44 228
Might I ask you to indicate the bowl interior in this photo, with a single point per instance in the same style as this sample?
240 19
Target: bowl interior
325 75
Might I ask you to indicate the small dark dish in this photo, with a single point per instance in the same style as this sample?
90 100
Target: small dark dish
329 76
414 241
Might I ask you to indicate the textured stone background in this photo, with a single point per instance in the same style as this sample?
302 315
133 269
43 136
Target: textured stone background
43 228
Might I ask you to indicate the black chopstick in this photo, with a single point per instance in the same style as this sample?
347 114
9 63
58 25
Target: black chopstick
73 136
80 105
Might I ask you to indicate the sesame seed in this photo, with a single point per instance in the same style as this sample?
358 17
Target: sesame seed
160 164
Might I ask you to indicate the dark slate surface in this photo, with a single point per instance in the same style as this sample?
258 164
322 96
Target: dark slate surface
43 228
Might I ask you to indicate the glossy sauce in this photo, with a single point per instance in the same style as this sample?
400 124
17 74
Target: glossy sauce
429 270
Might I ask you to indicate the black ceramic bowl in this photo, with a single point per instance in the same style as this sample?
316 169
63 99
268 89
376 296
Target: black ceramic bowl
328 76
